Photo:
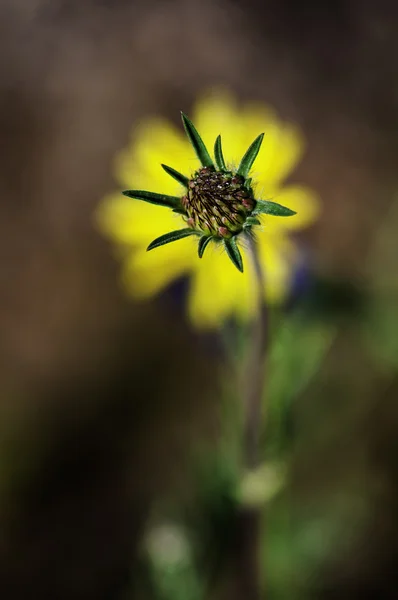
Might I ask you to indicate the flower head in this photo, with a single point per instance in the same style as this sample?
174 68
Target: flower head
218 203
214 204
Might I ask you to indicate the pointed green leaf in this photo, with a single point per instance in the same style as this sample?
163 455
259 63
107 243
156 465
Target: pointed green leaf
272 208
219 155
180 210
197 142
204 240
153 198
234 253
252 221
250 156
172 236
176 175
248 183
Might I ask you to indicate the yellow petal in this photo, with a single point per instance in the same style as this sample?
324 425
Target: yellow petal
281 149
214 114
135 222
155 141
277 256
147 273
218 290
300 199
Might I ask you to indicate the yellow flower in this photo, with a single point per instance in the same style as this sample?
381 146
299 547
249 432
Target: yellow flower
217 289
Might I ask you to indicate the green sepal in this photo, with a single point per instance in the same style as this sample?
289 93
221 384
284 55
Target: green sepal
172 236
248 183
153 198
218 155
176 175
234 253
204 240
250 156
197 142
267 207
251 221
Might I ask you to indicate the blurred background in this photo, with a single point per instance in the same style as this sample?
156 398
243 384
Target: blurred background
117 454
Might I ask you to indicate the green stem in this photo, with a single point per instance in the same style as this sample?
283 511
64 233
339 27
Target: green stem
255 374
249 523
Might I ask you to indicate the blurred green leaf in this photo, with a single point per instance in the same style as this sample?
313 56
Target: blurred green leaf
381 331
170 555
298 348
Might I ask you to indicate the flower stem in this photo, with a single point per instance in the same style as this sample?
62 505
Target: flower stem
249 522
255 374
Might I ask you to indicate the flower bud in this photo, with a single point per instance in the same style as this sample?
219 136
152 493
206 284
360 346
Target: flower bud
217 203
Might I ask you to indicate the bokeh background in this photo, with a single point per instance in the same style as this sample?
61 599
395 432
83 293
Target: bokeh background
106 405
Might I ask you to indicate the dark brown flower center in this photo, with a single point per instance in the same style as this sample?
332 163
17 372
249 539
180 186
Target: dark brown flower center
217 203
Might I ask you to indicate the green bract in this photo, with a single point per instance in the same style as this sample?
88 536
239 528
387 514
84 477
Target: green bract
218 204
